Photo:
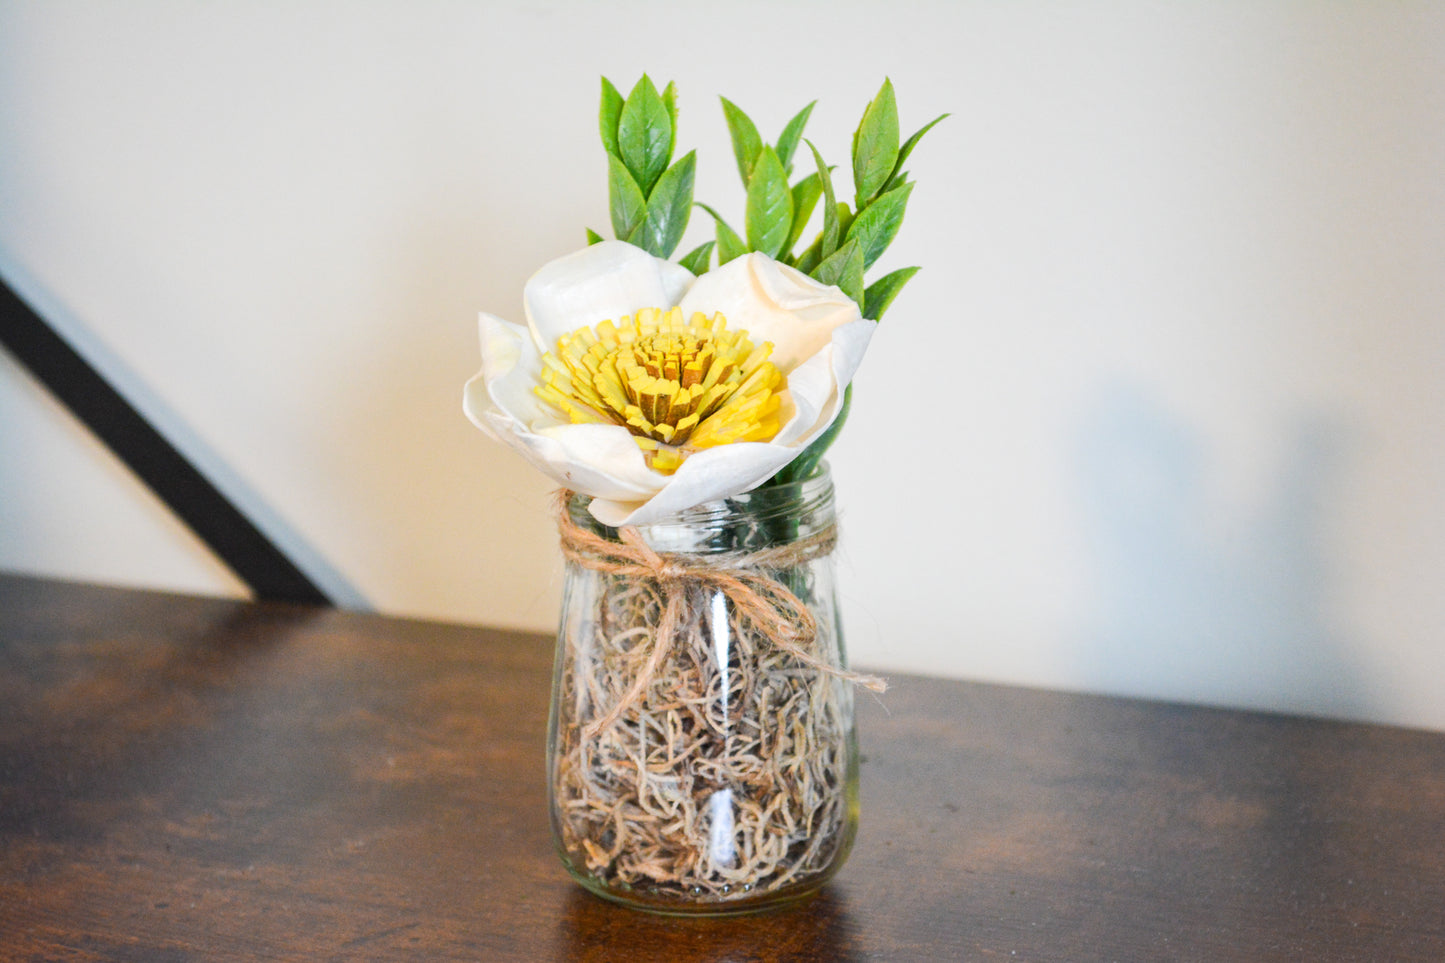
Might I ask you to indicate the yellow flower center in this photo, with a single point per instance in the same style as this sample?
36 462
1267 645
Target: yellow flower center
677 386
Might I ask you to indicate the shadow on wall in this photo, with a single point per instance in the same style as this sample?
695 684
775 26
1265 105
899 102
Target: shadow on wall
1199 600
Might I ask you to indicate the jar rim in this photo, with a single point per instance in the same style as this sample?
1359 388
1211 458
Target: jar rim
766 515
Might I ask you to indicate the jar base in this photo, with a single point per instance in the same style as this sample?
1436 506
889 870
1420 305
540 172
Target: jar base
638 899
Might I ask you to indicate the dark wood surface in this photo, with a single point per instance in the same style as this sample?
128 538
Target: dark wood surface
194 779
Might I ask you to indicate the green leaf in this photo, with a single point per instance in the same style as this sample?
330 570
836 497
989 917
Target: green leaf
805 464
810 258
769 212
830 206
625 198
881 292
844 267
791 135
845 220
644 135
593 237
669 100
698 258
608 115
875 145
668 209
877 225
898 177
729 245
805 197
852 280
747 144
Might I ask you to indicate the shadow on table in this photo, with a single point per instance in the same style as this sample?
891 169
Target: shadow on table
593 930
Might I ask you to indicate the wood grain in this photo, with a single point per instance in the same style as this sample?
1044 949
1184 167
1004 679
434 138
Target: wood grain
193 779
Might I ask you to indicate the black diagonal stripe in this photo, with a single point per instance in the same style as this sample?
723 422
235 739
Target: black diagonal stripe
198 503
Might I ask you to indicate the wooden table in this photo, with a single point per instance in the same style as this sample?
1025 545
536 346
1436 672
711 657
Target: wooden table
194 779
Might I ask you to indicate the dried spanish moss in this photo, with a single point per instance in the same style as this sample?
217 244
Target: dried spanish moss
723 779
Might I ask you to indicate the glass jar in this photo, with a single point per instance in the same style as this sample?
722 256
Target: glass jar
701 751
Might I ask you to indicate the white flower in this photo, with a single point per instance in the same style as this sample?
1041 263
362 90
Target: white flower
817 336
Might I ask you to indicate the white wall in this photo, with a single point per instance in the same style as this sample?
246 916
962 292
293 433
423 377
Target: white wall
1162 415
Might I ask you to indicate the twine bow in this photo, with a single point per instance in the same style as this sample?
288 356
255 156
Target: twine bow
782 619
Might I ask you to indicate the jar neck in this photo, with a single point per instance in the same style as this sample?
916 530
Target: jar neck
766 517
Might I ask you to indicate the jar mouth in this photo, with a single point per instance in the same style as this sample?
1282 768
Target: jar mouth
765 517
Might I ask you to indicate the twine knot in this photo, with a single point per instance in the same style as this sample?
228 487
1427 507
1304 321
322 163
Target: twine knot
671 572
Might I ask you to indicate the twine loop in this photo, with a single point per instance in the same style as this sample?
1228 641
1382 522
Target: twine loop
780 617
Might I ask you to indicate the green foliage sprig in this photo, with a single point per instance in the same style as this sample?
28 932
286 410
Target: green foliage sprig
650 201
852 237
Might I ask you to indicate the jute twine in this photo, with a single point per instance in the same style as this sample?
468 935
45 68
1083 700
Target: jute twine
780 617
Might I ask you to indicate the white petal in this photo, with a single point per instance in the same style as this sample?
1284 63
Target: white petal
815 398
850 342
601 282
510 368
816 385
705 476
596 459
773 302
593 459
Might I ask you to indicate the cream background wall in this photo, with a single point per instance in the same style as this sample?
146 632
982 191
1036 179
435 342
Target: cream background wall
1161 416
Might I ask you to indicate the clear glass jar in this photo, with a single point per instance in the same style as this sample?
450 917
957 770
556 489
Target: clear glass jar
701 751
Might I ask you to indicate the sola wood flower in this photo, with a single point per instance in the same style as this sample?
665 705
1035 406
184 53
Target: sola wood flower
654 391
